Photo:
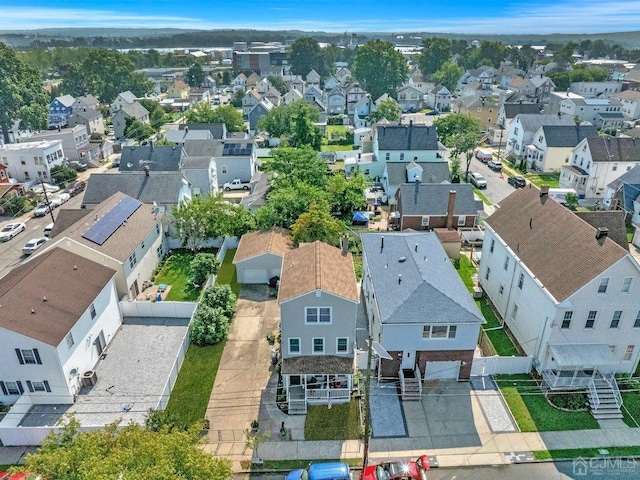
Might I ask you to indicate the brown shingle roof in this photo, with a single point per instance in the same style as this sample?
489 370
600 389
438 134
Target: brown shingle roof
252 244
614 149
317 266
611 219
69 292
557 246
317 364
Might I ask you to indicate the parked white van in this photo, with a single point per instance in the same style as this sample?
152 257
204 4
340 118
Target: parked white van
483 155
559 194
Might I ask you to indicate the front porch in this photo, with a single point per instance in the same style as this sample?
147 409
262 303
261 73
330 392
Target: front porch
574 177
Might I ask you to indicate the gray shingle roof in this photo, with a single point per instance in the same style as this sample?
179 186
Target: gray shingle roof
614 149
134 110
432 172
611 219
567 135
158 159
161 187
218 130
430 291
197 163
407 137
532 122
183 136
513 109
433 199
87 113
631 177
203 148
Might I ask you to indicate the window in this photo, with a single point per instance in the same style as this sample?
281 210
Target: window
493 244
133 260
70 341
92 311
318 345
462 220
142 245
506 263
520 280
486 275
591 319
158 228
566 321
318 314
402 157
626 285
12 388
425 221
342 345
636 324
615 167
604 284
387 156
29 357
38 386
615 320
439 331
514 312
501 291
628 353
224 169
294 346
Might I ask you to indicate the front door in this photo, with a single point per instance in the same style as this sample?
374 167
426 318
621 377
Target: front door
134 290
100 343
408 360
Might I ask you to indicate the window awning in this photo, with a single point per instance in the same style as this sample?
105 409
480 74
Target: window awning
583 355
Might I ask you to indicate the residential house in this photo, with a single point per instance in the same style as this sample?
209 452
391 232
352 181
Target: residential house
50 337
551 146
124 98
596 89
418 309
90 118
331 83
60 109
525 125
251 99
210 83
178 89
121 233
291 96
261 185
508 74
240 82
363 108
507 112
263 86
188 134
596 162
398 173
294 82
567 292
425 206
235 158
197 95
439 98
86 101
624 194
313 78
218 130
201 172
75 143
318 297
336 101
313 94
32 161
258 111
151 157
343 74
119 119
537 88
556 98
485 110
476 89
410 98
353 93
273 95
629 103
601 112
259 255
252 80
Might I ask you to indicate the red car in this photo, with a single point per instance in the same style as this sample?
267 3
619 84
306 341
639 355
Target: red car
397 470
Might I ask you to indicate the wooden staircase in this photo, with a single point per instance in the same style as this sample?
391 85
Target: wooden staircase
411 385
604 398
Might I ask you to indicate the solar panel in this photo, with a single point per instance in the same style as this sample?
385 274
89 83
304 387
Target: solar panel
100 231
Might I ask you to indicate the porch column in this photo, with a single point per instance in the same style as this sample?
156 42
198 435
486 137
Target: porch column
575 374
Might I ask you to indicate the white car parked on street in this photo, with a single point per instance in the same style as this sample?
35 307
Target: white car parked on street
11 230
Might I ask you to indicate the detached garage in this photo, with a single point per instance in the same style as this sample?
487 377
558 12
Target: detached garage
259 255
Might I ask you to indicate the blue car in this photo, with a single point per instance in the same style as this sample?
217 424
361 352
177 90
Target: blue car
322 471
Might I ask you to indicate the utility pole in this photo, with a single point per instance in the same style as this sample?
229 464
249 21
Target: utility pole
367 407
46 199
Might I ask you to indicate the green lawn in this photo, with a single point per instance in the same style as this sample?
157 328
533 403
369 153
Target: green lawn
551 179
341 130
631 404
227 273
532 412
336 148
176 272
630 232
587 453
190 395
482 196
341 422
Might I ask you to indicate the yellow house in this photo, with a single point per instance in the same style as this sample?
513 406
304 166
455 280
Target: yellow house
178 89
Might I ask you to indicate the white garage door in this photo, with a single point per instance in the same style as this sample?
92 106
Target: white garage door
441 370
255 275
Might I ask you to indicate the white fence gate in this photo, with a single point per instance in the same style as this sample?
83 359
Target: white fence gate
500 365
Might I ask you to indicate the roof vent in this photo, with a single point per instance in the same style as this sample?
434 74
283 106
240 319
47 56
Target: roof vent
44 299
402 259
32 311
399 278
75 267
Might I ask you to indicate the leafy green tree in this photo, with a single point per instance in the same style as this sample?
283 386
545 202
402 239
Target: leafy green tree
137 130
448 75
460 133
317 224
571 201
286 204
194 75
188 219
127 453
226 77
203 265
294 123
388 109
157 115
456 169
236 100
277 82
209 326
562 80
435 51
62 174
221 296
305 55
292 166
227 114
346 195
21 94
379 68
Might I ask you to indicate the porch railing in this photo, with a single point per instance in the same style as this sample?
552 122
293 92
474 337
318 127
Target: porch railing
566 381
611 380
418 375
593 392
325 393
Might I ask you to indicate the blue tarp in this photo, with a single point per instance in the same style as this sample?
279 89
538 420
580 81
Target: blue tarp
361 217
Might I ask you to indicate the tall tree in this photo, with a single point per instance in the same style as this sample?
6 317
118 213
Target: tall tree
195 75
286 204
21 94
126 453
448 75
305 55
379 68
292 166
317 224
227 114
294 123
460 133
388 109
137 130
345 195
435 51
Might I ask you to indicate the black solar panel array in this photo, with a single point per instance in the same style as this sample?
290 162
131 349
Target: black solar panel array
237 149
100 231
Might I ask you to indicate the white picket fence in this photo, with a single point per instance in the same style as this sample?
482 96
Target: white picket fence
500 365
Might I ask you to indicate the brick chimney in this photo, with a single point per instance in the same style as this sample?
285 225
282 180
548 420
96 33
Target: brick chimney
450 208
544 190
601 234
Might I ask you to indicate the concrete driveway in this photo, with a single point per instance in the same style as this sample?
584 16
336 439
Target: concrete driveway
245 369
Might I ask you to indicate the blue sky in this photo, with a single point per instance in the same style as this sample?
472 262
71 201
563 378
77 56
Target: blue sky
462 16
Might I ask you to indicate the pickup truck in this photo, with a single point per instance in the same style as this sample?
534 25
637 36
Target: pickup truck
236 184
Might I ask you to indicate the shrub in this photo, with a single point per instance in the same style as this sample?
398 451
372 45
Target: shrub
203 265
220 296
210 326
569 401
61 174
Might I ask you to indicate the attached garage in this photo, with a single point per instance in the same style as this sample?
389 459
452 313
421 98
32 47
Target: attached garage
442 370
259 256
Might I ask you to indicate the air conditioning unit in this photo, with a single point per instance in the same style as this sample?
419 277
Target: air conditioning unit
89 378
477 292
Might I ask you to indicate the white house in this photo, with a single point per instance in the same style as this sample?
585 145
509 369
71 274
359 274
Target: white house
418 309
630 104
567 292
51 337
525 125
318 297
551 146
596 162
32 160
596 89
259 255
602 112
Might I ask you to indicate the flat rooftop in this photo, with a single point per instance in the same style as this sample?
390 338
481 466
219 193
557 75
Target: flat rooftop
130 379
